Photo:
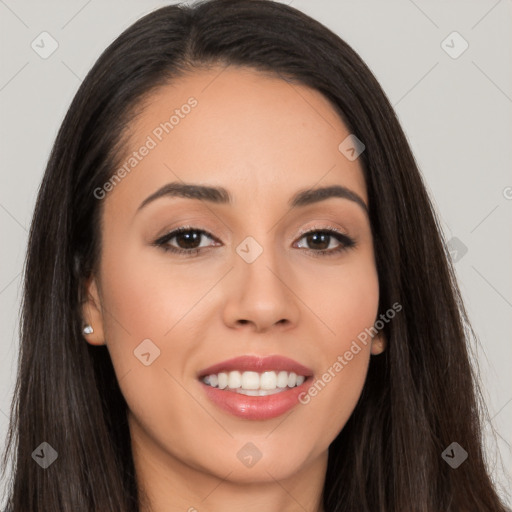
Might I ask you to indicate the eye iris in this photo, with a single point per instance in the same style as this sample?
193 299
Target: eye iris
190 237
315 237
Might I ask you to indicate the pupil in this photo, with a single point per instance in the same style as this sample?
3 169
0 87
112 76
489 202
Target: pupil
315 239
190 238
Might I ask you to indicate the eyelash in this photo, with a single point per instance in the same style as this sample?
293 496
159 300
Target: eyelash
346 242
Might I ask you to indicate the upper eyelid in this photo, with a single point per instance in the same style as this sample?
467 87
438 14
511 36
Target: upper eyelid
305 231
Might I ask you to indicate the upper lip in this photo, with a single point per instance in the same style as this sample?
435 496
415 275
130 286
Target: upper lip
258 364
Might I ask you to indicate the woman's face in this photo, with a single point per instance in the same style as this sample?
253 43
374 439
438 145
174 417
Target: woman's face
257 287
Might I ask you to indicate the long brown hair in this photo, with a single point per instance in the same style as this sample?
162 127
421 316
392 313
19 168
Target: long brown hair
420 394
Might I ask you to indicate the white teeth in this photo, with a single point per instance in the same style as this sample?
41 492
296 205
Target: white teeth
253 383
250 380
223 380
234 380
258 392
282 379
268 380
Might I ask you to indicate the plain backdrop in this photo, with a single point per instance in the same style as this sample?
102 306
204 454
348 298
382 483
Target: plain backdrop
454 103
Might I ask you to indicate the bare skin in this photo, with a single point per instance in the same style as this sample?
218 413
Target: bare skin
263 140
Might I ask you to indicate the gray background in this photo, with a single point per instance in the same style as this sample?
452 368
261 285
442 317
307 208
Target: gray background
456 112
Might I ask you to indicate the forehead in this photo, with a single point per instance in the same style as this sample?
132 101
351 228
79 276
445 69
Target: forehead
255 134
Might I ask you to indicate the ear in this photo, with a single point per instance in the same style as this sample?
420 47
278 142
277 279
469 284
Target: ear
379 343
92 314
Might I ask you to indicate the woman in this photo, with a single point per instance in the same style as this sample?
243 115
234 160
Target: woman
237 295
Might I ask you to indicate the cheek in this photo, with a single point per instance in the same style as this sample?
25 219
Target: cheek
143 299
345 299
146 297
144 305
349 307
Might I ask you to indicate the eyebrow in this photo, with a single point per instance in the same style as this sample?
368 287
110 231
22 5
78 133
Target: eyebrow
220 195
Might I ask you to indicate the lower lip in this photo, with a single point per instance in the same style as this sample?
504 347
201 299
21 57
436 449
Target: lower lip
256 407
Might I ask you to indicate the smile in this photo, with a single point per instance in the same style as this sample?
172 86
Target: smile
255 388
253 383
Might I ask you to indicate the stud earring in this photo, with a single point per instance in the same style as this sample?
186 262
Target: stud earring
88 329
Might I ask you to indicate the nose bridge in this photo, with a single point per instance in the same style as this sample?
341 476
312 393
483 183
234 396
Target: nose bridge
259 263
262 294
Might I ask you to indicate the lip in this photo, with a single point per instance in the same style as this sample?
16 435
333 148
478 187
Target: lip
258 364
256 407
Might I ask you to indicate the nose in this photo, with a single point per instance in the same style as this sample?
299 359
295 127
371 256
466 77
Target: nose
261 294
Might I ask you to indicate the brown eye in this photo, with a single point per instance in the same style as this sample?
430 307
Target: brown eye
187 241
319 240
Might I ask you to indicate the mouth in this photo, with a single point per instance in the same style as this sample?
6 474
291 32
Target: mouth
256 388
